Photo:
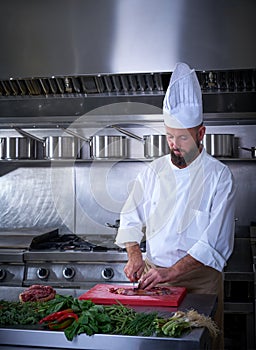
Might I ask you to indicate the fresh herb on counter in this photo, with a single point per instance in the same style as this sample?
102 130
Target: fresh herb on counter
121 320
17 313
74 317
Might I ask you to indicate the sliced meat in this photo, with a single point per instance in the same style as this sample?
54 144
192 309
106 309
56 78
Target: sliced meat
133 291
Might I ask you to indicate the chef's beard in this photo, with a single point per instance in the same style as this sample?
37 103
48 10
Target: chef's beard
182 162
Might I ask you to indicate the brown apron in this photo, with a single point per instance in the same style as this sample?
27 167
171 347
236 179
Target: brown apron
203 280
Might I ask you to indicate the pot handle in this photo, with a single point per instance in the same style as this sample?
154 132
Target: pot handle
76 135
27 134
127 133
252 150
247 149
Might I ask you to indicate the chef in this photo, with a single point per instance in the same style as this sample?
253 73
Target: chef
182 203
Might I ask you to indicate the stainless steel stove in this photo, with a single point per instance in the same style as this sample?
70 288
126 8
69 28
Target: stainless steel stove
12 267
72 261
62 261
76 269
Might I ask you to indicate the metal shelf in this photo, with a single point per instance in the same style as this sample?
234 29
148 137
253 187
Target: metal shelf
48 161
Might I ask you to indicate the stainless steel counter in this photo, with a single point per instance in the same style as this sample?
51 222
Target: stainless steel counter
197 339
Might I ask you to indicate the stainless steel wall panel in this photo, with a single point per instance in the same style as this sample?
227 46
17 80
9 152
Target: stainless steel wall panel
62 37
244 175
101 189
37 197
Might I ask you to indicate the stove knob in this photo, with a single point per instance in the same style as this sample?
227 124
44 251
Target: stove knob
2 274
68 273
107 273
42 273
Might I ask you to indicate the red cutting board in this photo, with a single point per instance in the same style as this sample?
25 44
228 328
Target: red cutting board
100 294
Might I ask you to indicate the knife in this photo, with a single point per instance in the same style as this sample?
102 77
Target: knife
136 287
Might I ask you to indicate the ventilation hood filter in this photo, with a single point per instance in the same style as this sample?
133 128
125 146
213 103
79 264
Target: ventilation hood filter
122 84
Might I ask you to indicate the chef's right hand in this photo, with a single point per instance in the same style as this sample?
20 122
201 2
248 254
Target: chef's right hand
135 265
134 270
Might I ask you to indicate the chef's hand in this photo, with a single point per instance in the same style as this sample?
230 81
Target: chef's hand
135 265
155 276
169 274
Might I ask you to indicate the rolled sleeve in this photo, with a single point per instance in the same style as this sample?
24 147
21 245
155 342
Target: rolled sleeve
217 241
207 255
129 234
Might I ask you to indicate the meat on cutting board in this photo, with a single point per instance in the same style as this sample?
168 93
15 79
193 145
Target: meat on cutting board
114 294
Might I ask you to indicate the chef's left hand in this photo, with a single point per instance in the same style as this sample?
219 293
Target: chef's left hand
169 274
155 276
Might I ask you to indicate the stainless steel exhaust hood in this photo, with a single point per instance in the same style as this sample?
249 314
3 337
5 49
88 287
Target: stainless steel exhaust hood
65 58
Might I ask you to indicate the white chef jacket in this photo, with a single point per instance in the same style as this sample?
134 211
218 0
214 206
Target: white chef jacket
185 211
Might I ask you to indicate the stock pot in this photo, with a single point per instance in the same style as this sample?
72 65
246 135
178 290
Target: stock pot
219 145
18 148
62 147
155 146
104 146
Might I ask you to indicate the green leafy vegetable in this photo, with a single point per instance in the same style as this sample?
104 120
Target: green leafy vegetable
16 313
111 319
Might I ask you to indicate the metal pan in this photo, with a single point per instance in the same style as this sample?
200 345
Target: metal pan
104 146
154 145
17 148
62 147
219 145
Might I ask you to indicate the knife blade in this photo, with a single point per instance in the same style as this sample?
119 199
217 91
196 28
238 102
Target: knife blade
136 283
135 280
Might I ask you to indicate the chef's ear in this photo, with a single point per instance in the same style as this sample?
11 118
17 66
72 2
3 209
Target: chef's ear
201 132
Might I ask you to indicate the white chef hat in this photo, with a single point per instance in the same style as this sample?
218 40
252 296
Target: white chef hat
182 106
